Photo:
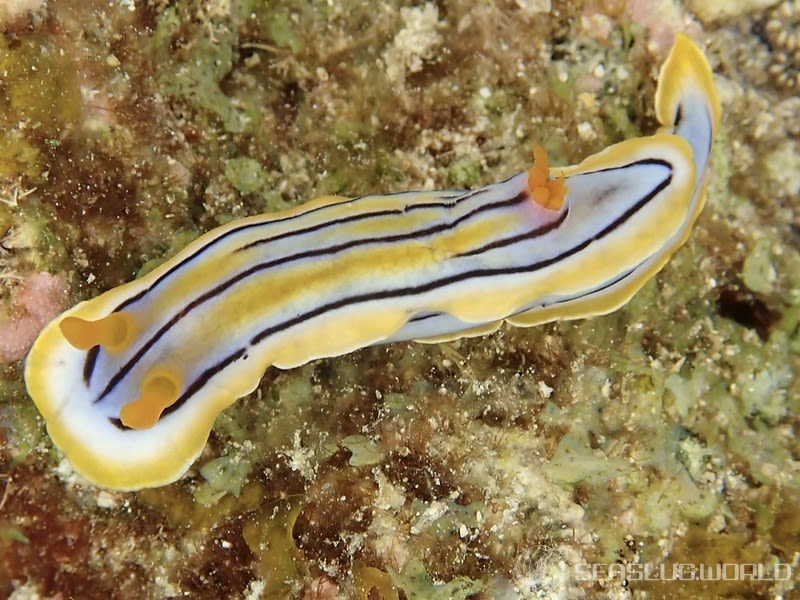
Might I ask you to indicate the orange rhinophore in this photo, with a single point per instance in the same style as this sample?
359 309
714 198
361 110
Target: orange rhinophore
548 193
113 332
159 391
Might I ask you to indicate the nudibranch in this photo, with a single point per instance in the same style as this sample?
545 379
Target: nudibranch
131 382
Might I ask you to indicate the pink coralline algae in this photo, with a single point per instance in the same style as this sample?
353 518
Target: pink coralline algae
37 300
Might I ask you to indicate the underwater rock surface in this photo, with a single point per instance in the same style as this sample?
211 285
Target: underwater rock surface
495 467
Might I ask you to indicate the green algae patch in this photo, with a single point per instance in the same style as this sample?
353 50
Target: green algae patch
223 475
197 79
698 546
758 271
40 83
25 432
278 27
179 507
369 580
41 100
464 172
363 451
574 461
417 584
198 82
245 174
9 533
21 430
18 156
269 536
177 241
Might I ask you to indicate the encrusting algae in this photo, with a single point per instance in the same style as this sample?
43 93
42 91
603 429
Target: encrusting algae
661 434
